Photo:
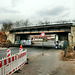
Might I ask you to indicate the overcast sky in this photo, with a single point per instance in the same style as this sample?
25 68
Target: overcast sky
37 10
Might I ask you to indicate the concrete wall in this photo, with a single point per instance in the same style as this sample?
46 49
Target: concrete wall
69 39
10 37
71 36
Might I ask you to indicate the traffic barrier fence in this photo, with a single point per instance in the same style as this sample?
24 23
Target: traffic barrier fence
11 64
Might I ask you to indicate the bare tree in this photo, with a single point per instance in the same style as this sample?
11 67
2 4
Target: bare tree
7 26
26 23
44 23
17 23
41 23
22 23
63 21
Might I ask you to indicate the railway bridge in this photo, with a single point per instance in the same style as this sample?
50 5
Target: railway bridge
61 30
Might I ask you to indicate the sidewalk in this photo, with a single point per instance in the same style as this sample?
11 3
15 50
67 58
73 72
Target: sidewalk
3 48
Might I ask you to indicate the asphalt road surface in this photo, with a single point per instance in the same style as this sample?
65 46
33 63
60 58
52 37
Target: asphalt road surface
48 64
34 50
31 51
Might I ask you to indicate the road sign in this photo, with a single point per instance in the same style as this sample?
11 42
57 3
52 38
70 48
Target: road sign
42 34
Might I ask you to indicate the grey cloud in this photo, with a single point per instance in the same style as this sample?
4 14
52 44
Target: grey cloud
6 20
13 2
53 12
5 10
66 14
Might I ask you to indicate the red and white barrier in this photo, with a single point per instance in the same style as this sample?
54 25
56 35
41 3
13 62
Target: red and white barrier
11 64
8 53
21 49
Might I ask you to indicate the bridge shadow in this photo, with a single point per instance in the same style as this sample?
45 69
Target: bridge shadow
38 47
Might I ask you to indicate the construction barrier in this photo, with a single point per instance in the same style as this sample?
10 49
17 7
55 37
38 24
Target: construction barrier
21 49
11 64
8 53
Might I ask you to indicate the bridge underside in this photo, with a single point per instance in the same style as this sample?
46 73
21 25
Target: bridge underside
61 35
61 30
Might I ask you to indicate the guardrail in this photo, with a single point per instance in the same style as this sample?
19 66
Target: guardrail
13 63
